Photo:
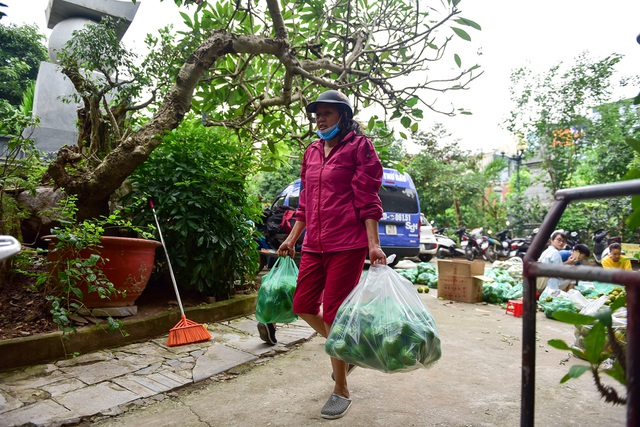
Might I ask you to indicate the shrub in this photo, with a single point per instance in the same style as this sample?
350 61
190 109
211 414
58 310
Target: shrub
197 180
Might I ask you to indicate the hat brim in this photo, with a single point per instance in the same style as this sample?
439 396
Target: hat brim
312 106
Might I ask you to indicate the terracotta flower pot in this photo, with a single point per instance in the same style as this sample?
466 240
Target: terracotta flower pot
129 266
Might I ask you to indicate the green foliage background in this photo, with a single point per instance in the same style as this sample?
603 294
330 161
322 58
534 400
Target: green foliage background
21 52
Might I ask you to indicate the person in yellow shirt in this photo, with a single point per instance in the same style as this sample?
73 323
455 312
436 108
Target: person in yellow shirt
614 258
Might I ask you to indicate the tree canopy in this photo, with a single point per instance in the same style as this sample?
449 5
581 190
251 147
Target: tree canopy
21 52
253 66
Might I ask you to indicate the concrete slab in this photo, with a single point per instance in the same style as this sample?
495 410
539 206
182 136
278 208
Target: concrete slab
43 412
96 398
245 324
63 386
290 334
101 371
253 345
139 361
149 381
146 348
86 359
219 358
169 380
8 402
133 384
34 382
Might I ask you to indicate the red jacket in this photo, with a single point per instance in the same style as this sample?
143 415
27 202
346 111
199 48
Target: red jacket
339 193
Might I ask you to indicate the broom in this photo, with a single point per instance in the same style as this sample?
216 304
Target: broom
186 331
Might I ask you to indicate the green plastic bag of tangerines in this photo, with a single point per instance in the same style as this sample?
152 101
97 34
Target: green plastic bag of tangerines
275 296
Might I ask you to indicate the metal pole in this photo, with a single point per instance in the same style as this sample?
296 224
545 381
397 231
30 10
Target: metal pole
629 279
518 160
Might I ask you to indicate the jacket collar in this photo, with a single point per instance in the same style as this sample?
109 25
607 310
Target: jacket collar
318 143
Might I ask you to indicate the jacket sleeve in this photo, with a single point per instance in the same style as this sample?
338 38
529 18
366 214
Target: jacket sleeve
300 214
367 181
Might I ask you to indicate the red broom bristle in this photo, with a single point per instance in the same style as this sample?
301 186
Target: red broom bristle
187 332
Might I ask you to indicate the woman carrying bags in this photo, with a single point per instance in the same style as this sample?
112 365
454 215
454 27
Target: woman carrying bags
339 208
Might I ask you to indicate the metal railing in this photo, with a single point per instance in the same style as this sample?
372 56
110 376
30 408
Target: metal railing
629 279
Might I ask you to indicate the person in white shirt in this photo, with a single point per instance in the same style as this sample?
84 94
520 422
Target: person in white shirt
551 255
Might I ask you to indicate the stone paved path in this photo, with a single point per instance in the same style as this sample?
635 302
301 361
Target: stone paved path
107 381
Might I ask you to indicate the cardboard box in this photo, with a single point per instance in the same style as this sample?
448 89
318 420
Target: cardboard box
460 280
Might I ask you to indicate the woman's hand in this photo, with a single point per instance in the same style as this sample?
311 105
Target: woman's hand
286 250
377 256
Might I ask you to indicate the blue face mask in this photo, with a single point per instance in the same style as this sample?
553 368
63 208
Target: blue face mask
330 133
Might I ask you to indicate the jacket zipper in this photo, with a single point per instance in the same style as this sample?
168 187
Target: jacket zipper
319 199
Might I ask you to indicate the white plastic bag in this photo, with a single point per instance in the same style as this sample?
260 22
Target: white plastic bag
384 325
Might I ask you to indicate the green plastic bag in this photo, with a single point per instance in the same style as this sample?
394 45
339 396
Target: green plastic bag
275 296
383 324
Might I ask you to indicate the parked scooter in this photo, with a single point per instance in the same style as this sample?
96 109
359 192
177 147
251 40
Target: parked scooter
520 245
496 247
447 247
472 248
274 228
601 243
503 249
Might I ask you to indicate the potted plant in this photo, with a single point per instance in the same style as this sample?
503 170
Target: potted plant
91 265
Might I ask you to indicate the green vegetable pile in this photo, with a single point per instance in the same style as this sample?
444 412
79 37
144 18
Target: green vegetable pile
507 284
551 305
275 296
424 274
385 326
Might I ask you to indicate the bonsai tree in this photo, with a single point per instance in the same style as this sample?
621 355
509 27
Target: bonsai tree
251 67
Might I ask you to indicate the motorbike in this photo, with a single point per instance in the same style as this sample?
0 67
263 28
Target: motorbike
274 227
601 243
474 240
520 245
503 248
447 247
573 238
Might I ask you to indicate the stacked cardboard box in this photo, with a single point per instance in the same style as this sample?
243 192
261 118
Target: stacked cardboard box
460 280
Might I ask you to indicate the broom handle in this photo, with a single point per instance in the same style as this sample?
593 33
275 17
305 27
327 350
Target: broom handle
173 278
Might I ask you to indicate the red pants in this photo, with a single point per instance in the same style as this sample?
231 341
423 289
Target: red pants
327 279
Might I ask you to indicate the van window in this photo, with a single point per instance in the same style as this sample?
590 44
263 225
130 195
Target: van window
401 200
278 202
293 201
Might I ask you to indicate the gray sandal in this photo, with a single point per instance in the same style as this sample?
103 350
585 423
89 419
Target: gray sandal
349 369
335 407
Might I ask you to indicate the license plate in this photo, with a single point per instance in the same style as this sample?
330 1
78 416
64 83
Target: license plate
390 230
484 245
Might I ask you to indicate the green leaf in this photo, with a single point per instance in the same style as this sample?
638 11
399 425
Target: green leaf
594 343
604 316
633 143
468 22
461 33
617 373
573 318
559 344
456 58
575 372
411 102
405 121
619 302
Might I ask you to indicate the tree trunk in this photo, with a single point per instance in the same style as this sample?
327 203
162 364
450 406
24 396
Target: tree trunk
95 186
